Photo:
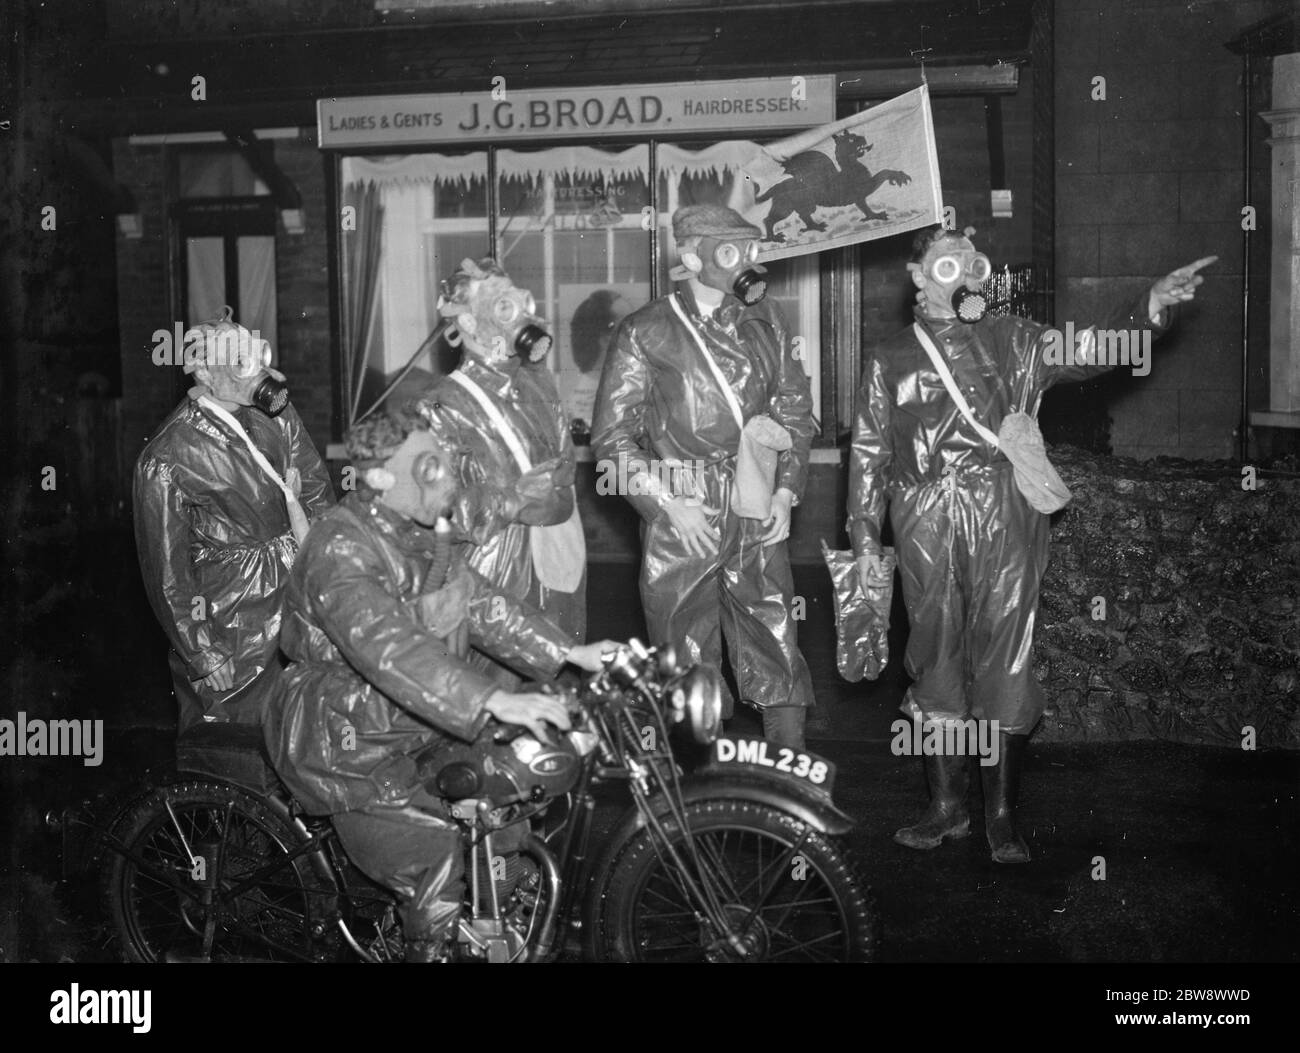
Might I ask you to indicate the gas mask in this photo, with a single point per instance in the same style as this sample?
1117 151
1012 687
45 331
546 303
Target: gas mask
959 268
729 266
238 364
499 320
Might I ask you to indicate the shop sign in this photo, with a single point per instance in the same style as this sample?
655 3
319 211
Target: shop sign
730 107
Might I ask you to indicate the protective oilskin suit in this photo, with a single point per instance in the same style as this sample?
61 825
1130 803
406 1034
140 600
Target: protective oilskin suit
499 501
213 530
665 426
971 550
377 674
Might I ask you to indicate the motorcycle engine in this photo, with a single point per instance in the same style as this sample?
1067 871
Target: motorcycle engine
505 765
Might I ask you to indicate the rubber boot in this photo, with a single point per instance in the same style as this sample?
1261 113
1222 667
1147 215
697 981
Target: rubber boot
946 818
783 725
1001 783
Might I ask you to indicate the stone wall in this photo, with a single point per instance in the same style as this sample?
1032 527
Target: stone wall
1201 583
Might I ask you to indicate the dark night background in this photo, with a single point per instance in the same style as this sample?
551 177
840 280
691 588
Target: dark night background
1138 758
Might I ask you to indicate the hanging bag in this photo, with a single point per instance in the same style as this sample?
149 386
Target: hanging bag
1018 437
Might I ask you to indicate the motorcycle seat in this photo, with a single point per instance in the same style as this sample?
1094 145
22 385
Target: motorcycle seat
234 752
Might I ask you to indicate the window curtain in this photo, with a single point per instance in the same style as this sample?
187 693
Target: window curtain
362 249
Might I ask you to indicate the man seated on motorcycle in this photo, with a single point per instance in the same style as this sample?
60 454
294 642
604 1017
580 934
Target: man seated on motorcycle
377 634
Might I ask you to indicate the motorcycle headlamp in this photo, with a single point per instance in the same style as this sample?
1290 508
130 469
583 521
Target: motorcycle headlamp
697 699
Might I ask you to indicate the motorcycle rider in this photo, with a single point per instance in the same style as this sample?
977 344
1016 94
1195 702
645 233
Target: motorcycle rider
377 637
683 377
222 494
971 550
500 405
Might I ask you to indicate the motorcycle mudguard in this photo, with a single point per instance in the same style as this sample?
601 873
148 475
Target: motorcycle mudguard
807 807
811 808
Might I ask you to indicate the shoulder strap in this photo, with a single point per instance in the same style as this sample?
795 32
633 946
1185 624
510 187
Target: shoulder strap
498 419
260 458
945 374
732 401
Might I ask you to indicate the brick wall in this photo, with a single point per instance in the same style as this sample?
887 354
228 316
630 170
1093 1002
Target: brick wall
1148 180
302 279
145 296
961 138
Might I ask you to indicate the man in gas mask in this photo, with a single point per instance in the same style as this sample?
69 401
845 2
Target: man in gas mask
971 549
500 416
223 492
685 377
378 619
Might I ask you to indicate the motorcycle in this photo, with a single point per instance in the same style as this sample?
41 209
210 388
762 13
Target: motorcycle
740 858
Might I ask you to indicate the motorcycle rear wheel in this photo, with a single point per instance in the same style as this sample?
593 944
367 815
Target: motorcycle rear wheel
154 900
791 892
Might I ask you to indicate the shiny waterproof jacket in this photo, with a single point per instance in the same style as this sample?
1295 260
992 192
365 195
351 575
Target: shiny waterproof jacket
971 550
490 511
215 547
368 685
908 432
658 398
660 402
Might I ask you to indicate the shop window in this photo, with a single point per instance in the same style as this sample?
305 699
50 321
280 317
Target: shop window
569 224
407 222
571 232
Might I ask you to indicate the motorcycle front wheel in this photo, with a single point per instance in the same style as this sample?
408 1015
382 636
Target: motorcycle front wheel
789 893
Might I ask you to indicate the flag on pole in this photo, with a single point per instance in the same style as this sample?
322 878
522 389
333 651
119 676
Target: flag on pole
868 176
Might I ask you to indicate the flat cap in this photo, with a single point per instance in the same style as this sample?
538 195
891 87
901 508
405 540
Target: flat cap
711 221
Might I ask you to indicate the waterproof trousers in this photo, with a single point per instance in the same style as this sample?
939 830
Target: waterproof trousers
414 854
743 589
972 553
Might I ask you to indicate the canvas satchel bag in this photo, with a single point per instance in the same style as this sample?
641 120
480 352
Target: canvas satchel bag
1018 437
761 442
560 550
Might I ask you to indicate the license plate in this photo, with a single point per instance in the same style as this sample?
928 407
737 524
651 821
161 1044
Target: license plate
759 754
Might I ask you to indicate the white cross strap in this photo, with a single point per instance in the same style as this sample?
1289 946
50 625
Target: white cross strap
945 374
508 434
297 516
732 401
